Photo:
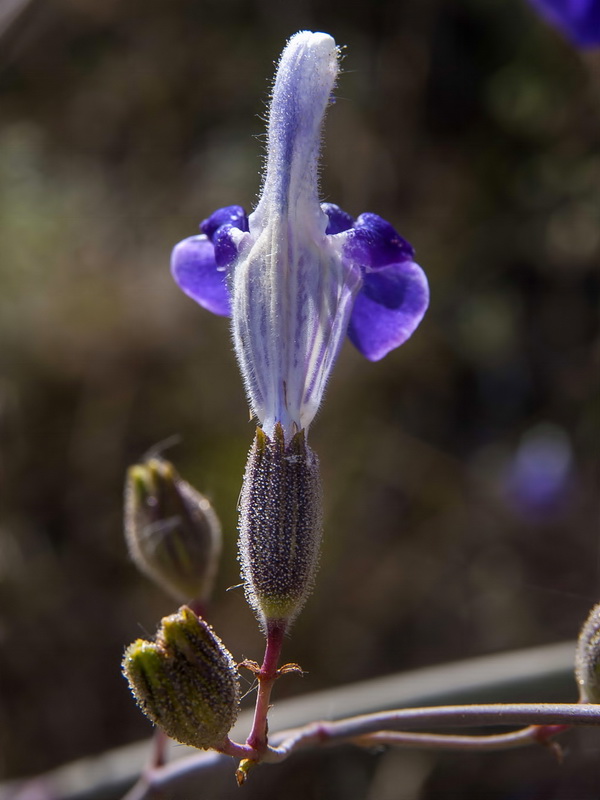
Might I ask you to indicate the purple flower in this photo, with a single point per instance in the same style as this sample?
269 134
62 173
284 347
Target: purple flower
538 480
579 20
296 275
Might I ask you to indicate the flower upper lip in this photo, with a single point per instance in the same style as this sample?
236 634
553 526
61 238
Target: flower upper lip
296 275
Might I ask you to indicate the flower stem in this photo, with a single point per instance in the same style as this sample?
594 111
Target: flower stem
258 738
156 761
158 755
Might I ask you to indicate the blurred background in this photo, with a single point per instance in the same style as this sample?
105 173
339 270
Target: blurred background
461 473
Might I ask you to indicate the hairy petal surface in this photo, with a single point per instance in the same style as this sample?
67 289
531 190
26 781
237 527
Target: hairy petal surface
292 289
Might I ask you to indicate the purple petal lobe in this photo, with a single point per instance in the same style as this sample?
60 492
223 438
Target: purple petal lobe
388 309
195 270
225 248
338 220
579 20
374 243
230 215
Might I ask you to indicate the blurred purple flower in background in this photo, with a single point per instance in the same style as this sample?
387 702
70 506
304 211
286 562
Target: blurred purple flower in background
579 20
296 275
538 480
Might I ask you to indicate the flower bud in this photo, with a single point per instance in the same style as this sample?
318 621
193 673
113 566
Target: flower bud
172 532
587 659
280 525
185 681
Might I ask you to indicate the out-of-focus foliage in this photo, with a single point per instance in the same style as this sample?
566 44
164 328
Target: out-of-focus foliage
471 126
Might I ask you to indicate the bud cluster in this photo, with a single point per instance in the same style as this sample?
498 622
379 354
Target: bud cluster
185 681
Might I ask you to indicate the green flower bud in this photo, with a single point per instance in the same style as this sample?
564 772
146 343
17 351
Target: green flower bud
185 681
172 532
280 525
587 659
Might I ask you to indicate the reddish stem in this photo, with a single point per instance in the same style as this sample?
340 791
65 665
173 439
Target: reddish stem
158 756
258 738
545 732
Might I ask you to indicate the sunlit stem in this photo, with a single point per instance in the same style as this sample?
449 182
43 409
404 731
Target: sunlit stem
457 742
551 719
258 738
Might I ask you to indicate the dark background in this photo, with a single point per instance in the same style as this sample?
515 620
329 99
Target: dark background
471 126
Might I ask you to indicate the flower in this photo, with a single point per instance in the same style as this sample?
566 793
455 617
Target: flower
296 275
579 20
539 478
